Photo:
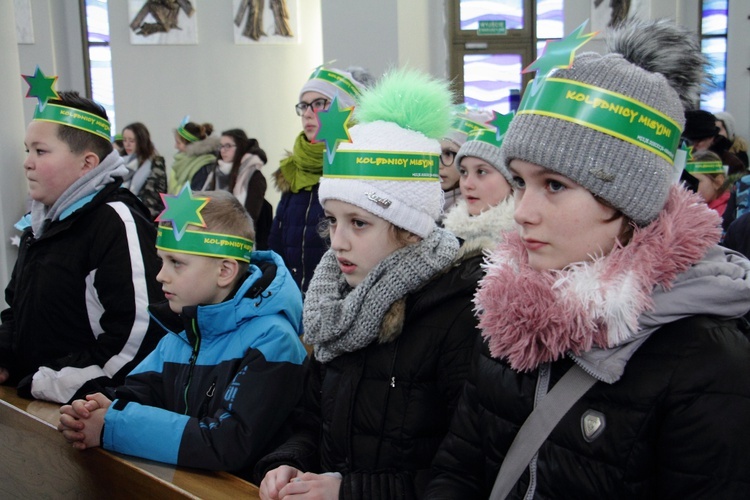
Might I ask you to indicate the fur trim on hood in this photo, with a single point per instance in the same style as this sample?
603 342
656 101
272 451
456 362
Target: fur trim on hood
280 182
530 317
208 145
480 232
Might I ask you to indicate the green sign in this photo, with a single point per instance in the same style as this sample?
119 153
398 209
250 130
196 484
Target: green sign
491 28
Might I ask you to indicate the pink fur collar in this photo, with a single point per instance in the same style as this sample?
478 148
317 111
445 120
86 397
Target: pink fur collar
530 317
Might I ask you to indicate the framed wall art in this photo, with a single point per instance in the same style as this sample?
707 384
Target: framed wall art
265 21
24 24
162 22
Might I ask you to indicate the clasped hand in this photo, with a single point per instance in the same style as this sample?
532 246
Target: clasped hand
288 482
81 421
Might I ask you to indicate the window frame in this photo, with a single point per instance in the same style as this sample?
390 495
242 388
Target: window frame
519 41
725 36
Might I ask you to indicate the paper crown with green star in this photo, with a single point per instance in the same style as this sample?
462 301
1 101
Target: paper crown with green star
704 162
485 143
183 210
184 133
42 88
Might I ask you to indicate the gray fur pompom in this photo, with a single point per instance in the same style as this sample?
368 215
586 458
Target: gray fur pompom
663 47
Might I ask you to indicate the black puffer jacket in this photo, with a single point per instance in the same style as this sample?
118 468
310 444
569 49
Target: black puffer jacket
676 425
78 319
378 415
294 232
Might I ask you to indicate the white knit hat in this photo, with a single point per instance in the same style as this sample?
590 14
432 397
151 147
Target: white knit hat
334 82
390 167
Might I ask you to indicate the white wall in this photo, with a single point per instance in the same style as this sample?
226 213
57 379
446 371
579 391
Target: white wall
13 184
253 87
57 47
360 34
385 34
738 67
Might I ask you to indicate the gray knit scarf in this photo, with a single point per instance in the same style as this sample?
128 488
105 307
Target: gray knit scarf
338 319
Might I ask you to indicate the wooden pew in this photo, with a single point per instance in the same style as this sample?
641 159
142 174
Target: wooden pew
36 462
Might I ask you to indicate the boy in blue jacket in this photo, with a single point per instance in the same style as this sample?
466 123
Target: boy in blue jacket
219 385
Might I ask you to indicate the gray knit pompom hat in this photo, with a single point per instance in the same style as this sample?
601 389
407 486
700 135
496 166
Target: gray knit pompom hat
656 63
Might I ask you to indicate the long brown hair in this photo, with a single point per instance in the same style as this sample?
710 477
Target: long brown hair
144 148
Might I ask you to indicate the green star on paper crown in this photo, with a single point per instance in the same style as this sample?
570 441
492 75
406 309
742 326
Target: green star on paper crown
693 166
182 210
41 87
559 54
332 127
501 123
688 151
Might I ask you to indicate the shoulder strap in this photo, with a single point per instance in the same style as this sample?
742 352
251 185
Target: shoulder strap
538 426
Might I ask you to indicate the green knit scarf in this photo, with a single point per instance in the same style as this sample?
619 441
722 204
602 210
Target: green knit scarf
305 166
185 166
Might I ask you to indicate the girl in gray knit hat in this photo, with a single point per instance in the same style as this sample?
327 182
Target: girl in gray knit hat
614 288
485 210
388 311
465 120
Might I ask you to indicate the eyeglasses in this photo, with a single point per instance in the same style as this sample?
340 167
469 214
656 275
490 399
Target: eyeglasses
227 146
316 105
447 157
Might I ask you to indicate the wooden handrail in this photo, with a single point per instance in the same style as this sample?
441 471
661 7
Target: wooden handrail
37 462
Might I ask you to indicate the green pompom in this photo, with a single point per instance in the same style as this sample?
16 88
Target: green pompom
411 99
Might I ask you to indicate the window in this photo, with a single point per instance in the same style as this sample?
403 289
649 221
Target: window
97 56
486 64
714 46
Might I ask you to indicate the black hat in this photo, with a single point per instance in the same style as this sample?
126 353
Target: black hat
699 124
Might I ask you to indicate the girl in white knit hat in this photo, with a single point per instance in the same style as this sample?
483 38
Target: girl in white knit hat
613 366
387 312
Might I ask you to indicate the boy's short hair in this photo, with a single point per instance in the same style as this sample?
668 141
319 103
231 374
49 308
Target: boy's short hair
80 140
226 215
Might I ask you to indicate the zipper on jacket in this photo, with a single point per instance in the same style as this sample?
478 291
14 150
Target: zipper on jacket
304 233
207 400
23 250
193 359
392 384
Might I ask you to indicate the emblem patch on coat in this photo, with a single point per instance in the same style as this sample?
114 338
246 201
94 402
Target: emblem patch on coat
592 425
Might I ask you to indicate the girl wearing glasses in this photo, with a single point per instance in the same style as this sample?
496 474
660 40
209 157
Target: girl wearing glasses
238 171
294 232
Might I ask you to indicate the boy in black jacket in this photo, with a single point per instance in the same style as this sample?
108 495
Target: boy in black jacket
77 319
